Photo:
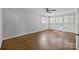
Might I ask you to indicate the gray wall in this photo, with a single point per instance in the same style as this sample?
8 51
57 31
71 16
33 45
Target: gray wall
0 26
20 22
77 28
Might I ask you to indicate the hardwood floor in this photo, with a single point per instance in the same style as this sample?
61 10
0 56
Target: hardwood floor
44 40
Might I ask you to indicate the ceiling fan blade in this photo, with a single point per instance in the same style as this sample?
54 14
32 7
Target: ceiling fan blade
53 10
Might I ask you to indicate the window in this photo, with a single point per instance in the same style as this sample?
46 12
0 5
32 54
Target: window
59 19
52 20
68 19
44 19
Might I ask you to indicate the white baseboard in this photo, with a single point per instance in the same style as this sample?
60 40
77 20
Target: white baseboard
77 43
0 43
23 34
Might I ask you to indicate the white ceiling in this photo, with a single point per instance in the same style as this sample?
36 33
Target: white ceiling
42 11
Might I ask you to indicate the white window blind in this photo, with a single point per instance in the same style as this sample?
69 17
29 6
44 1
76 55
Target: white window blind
52 20
59 19
68 19
44 19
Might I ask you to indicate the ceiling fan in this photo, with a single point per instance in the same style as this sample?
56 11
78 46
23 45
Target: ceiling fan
49 10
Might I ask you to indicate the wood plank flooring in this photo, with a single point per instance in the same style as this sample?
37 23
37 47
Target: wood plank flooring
43 40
